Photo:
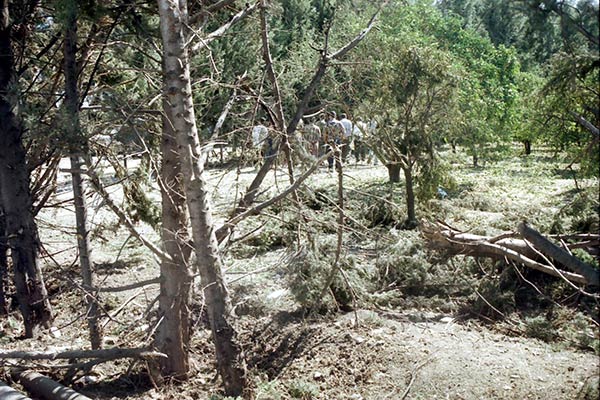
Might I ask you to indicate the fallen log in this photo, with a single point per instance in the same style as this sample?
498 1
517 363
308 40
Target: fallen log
8 393
102 354
45 388
591 274
442 237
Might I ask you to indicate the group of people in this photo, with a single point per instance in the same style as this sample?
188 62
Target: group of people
322 135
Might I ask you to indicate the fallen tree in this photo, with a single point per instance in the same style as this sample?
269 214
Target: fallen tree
8 393
43 387
525 246
99 354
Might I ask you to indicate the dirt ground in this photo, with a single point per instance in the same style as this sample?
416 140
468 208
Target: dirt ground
371 354
390 355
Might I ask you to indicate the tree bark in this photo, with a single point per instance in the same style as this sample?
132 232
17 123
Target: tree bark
411 218
100 354
3 263
591 274
77 145
443 238
527 144
393 172
178 98
43 387
172 335
15 196
8 393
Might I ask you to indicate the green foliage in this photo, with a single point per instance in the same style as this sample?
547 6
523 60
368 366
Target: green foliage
307 274
139 206
572 90
407 269
303 390
540 328
381 212
495 296
576 329
580 214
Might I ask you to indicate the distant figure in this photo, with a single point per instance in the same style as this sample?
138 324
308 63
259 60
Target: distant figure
262 143
312 135
333 136
360 150
347 139
322 124
259 135
441 193
371 132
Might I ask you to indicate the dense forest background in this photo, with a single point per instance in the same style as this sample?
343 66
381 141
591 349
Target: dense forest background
126 146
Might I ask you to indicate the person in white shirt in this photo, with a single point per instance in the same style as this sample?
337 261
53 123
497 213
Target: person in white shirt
333 135
347 139
259 134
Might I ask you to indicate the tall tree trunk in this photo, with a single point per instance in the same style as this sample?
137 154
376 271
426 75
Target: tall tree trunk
77 145
3 264
411 219
393 172
527 144
15 196
178 97
172 335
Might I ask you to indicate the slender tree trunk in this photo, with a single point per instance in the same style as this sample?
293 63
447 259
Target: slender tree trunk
172 335
411 219
3 264
393 172
178 97
77 144
15 196
527 144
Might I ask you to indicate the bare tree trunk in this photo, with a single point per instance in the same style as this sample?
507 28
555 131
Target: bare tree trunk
527 144
411 218
172 336
77 144
393 172
3 263
178 98
15 196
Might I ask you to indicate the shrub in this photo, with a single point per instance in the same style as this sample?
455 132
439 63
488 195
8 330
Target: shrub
307 274
540 328
303 390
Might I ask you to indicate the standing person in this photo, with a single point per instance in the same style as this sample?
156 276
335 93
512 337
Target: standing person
347 138
322 124
333 135
371 132
359 145
262 143
312 135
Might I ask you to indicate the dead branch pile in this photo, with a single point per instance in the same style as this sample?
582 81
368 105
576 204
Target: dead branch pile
525 246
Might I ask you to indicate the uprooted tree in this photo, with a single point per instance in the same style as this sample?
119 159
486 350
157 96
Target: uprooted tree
525 246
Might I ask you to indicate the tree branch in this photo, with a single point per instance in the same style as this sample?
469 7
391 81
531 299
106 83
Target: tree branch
104 354
579 119
591 274
219 32
99 188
